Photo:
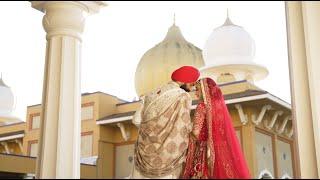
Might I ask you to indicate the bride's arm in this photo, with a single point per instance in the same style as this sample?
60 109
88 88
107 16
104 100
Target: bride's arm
198 120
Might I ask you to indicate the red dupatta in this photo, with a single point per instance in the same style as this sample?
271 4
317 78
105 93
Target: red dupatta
226 159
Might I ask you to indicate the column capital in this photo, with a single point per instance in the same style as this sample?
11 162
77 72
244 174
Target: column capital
66 17
88 6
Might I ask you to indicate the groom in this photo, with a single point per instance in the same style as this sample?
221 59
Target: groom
164 124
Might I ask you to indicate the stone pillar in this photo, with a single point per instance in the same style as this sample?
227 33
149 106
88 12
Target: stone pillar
304 53
59 146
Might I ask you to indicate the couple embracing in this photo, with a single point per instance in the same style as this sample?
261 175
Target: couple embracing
173 144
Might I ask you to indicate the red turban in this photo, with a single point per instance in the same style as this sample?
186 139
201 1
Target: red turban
186 74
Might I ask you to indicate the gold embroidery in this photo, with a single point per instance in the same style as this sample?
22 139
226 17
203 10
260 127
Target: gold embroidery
184 132
174 132
157 161
182 147
186 117
151 148
156 154
171 147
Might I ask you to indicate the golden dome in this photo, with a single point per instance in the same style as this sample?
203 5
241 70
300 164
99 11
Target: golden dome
158 63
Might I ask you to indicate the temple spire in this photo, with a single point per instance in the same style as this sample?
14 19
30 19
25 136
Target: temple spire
228 21
174 19
227 12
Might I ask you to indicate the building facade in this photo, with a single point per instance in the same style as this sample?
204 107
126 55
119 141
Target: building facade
262 121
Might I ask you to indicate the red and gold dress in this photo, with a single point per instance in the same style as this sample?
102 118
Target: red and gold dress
196 163
214 150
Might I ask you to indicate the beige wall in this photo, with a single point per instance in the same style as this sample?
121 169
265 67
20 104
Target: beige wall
21 164
17 164
107 105
102 105
88 172
128 107
106 160
108 138
88 126
123 166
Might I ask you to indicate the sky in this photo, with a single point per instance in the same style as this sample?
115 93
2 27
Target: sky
116 38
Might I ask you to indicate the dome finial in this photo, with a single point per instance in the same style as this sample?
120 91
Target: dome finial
227 12
228 22
174 19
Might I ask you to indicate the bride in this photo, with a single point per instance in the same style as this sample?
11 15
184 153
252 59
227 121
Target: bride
213 150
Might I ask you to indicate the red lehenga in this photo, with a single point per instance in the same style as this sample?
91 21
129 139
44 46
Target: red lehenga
213 150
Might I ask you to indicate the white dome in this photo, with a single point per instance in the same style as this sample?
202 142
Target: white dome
6 99
229 44
229 51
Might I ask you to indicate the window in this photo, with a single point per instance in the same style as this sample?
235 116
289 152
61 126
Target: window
33 148
86 144
34 121
284 155
87 111
264 152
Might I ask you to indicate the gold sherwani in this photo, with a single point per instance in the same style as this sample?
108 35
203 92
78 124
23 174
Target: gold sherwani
165 125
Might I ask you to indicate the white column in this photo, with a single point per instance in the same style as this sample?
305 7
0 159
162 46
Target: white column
311 18
304 53
59 146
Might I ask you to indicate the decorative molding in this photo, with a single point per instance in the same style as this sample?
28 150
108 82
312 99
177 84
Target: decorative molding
87 104
286 176
88 6
12 137
125 134
283 124
120 119
66 18
243 117
19 143
230 101
290 133
5 145
258 120
265 172
274 119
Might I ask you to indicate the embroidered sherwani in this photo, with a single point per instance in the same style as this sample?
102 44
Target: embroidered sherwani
164 129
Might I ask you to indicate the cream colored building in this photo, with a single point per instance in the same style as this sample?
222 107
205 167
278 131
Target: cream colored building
262 121
109 148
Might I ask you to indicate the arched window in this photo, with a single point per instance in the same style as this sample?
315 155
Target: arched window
265 174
